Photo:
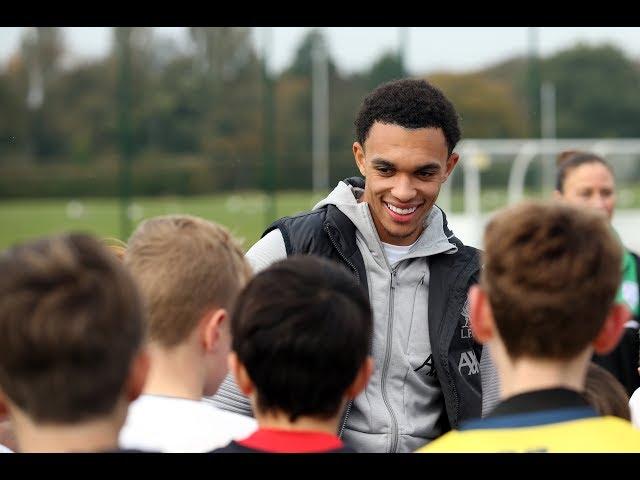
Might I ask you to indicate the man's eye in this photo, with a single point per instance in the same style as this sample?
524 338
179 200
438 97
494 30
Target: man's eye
384 170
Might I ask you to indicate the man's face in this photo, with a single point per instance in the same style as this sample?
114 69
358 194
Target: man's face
404 169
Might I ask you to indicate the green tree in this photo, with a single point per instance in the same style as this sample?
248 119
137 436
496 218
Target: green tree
13 120
302 64
227 77
83 100
42 49
294 112
488 108
387 67
597 92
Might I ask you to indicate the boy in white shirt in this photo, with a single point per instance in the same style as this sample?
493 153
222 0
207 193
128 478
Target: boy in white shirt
189 271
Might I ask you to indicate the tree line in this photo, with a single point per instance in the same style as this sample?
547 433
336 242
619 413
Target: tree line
197 120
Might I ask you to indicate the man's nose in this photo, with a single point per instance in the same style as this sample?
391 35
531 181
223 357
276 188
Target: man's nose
403 189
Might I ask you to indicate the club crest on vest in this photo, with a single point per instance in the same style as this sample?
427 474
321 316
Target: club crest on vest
465 329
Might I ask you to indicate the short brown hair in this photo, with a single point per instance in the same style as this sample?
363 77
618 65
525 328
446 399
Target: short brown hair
184 265
70 325
551 272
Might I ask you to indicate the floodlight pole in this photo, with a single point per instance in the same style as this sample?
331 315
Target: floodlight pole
534 81
123 49
548 130
268 130
320 116
403 47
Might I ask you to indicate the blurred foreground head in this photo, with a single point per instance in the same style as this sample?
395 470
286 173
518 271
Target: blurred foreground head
70 327
189 272
184 266
550 274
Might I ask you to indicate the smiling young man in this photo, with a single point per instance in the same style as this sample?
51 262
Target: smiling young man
389 232
404 169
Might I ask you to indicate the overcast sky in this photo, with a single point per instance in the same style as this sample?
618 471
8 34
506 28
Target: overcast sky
355 48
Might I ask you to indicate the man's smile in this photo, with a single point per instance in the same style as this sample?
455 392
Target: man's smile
401 214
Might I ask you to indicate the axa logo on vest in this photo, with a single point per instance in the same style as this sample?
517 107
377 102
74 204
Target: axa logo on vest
469 360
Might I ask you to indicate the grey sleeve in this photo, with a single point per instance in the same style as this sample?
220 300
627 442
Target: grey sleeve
490 382
230 398
267 250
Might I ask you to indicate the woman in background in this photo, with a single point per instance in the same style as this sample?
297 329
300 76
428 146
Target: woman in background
584 178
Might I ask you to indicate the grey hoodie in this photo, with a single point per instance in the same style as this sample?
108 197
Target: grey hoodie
402 403
402 406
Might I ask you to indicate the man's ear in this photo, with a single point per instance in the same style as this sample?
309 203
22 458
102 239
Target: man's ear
557 195
138 374
612 329
451 163
480 316
211 325
361 380
240 373
358 154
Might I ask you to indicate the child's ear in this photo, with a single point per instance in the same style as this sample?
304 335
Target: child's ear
211 326
4 408
612 329
240 374
138 375
7 432
480 316
361 380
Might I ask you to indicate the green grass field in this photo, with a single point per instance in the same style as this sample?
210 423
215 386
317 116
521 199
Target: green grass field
242 212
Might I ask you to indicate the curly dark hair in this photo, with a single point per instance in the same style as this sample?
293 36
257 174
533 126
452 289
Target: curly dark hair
409 103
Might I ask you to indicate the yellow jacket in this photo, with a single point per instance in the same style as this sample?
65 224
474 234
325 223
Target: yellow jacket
595 434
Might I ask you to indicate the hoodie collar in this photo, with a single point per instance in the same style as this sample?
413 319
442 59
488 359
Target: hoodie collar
434 239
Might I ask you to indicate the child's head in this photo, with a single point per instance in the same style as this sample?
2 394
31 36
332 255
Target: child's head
550 275
301 334
189 271
70 331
